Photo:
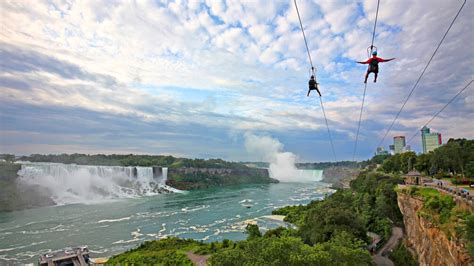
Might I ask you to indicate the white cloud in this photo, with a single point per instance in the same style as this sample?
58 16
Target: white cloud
248 55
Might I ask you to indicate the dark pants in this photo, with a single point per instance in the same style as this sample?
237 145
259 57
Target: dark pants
312 89
376 72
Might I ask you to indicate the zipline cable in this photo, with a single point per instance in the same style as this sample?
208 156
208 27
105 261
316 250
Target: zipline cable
422 73
304 37
327 126
312 69
444 107
358 126
365 86
375 25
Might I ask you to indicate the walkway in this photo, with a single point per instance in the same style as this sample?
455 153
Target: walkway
198 260
380 258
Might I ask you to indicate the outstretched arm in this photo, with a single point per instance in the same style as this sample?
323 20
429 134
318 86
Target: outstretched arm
365 62
386 60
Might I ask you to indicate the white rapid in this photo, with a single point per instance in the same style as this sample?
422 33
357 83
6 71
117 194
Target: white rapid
70 183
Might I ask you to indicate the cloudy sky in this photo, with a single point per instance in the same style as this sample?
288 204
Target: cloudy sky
192 78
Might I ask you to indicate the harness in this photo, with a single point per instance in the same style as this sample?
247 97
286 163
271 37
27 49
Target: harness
374 65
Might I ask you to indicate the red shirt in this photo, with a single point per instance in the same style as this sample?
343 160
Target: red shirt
380 60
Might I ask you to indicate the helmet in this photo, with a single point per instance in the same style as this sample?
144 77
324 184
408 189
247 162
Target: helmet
374 53
312 76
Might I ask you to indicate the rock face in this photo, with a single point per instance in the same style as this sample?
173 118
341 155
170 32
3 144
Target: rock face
188 178
340 177
432 245
14 196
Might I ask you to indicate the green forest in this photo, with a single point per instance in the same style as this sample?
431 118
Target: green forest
200 180
128 160
454 159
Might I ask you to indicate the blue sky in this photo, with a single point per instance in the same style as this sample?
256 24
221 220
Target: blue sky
192 78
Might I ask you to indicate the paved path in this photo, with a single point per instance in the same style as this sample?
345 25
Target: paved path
380 257
198 260
382 261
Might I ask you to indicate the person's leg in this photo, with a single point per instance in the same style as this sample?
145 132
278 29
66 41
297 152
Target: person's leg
366 76
308 93
375 77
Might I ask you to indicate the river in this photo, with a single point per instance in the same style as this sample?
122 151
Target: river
114 226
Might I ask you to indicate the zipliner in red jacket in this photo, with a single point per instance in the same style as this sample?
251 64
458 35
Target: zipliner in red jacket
374 65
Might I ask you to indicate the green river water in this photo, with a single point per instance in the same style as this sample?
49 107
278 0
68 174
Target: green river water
114 226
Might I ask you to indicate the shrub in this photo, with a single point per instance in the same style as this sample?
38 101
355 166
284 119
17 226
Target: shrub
401 256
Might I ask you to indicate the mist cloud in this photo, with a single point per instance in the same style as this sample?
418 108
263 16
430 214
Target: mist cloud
282 164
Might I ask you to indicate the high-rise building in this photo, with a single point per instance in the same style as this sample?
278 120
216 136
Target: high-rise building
399 144
430 141
381 151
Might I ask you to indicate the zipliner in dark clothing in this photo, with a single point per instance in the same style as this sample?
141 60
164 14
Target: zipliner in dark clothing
373 63
313 85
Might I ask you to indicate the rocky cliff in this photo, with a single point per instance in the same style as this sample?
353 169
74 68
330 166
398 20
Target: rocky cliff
188 178
431 244
340 177
18 197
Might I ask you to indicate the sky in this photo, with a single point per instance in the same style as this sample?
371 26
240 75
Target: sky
193 78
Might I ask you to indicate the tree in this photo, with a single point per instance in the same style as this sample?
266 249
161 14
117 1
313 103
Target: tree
469 170
8 157
423 163
388 166
469 223
378 159
407 161
344 250
338 216
253 231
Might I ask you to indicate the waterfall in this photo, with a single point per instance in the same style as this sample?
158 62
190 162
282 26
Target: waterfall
305 175
165 176
71 183
317 175
144 175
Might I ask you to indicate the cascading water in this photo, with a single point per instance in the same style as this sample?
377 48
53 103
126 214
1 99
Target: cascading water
312 174
70 183
165 176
